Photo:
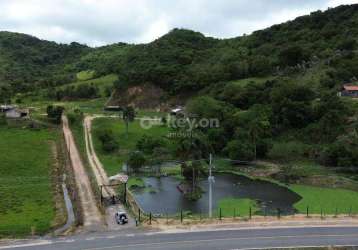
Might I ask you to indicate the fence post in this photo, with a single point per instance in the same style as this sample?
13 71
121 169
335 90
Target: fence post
220 215
150 218
250 213
181 216
278 213
125 193
350 211
101 196
139 214
307 214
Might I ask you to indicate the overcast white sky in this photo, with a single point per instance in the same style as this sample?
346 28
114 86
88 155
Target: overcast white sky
99 22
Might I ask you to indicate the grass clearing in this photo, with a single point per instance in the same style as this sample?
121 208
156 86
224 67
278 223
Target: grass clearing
113 162
26 191
246 81
85 75
327 199
241 207
135 182
102 83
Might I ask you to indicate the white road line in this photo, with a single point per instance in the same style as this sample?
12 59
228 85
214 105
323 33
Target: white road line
223 239
41 243
289 247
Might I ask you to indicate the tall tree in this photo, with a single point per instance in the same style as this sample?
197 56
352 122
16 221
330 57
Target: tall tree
128 115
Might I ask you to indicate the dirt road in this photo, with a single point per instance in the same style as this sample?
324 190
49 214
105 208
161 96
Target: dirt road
102 178
92 218
96 165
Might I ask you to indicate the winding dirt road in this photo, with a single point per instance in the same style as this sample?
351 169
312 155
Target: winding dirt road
92 218
102 178
96 165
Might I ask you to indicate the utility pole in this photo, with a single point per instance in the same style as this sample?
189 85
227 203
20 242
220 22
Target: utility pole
211 181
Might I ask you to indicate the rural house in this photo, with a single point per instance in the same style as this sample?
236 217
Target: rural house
17 113
350 90
5 108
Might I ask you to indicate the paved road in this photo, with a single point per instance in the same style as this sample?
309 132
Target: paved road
210 240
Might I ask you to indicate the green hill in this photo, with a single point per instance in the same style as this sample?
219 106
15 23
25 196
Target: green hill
184 60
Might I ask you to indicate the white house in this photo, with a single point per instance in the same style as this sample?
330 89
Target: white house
17 113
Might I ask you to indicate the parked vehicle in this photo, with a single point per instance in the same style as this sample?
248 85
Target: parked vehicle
121 218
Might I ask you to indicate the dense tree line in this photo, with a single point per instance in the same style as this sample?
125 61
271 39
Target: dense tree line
83 91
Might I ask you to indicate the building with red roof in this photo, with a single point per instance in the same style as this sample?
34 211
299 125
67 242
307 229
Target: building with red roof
350 90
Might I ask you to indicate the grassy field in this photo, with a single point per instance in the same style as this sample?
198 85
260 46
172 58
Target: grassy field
113 162
327 199
25 183
259 80
85 75
102 82
241 207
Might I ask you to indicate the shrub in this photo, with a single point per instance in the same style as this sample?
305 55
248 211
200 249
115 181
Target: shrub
109 143
136 161
286 151
240 150
75 117
148 144
54 113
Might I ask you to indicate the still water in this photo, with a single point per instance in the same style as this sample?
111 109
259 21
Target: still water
166 198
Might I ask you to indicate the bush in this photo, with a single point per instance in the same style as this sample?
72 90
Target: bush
136 161
240 150
54 113
342 153
287 151
148 144
2 120
109 144
75 117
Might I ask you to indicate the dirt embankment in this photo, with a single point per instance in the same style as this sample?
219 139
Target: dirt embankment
148 96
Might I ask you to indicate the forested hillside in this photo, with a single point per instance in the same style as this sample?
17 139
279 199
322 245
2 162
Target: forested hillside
273 86
28 63
184 60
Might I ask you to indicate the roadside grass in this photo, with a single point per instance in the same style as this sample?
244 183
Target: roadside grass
113 162
239 207
327 200
26 203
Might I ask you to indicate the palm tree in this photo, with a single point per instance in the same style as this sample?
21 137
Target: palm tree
128 115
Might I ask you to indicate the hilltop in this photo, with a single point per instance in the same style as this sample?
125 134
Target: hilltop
184 61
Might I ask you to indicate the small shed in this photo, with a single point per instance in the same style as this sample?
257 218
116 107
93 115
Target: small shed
5 108
17 113
350 90
177 111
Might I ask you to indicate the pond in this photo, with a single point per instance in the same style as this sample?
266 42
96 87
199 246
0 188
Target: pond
161 195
